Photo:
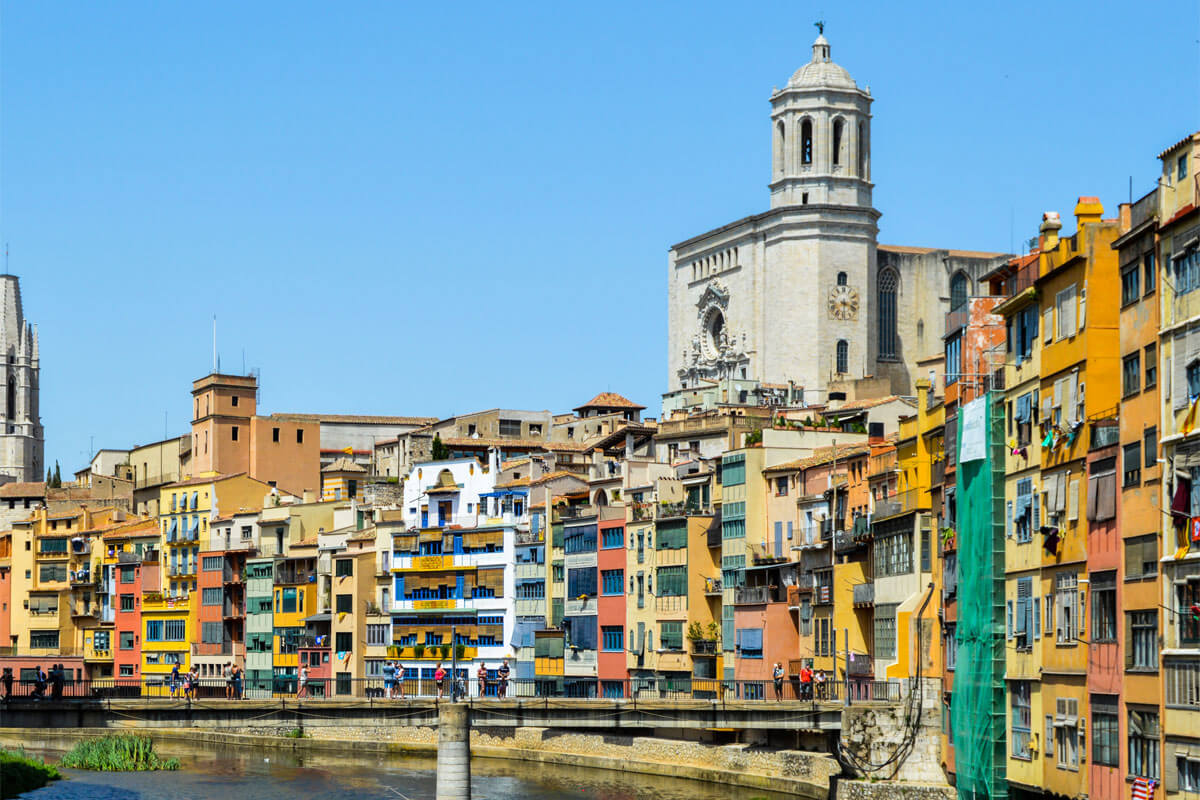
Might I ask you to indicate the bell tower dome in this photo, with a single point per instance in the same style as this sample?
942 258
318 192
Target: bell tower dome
821 133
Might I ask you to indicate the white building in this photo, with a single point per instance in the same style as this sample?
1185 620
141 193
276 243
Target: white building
801 294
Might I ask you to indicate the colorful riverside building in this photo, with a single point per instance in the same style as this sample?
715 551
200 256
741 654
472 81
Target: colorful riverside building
453 566
132 558
1178 257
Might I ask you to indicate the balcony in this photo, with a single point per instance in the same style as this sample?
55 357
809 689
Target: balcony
900 503
704 647
823 592
861 665
845 542
641 511
827 528
761 554
683 509
794 594
1106 432
712 586
81 578
864 595
758 595
957 318
529 537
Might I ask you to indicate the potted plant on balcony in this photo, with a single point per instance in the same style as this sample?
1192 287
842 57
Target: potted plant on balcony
460 651
694 632
418 651
445 651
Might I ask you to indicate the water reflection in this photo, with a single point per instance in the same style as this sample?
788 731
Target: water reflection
234 774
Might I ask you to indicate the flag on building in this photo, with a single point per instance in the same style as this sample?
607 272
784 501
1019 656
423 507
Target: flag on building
1143 788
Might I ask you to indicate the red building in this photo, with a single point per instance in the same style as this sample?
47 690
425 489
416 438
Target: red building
135 573
220 641
610 563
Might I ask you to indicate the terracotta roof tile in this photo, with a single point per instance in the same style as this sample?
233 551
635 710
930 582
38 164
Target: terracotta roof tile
609 400
23 489
562 473
365 419
344 465
822 455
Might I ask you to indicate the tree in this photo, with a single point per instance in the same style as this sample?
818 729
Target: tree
440 451
57 476
49 477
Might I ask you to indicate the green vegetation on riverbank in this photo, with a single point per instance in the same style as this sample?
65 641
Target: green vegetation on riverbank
125 752
20 773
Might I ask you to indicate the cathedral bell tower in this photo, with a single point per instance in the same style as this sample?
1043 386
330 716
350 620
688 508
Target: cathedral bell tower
821 124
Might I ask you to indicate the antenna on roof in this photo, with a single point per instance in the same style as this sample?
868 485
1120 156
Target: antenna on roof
216 364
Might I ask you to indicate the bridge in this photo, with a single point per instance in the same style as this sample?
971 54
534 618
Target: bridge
591 715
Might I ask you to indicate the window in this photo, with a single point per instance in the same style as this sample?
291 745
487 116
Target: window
127 602
379 634
671 535
1066 732
953 360
52 572
1023 616
211 632
781 487
838 126
1183 683
344 641
613 537
234 432
299 436
1143 640
1021 720
510 427
127 574
174 630
1151 366
285 600
579 539
613 638
1066 626
344 604
580 632
893 554
1132 464
126 640
1106 736
212 563
843 357
1149 273
1024 333
154 630
1193 379
672 581
274 434
670 635
1131 374
749 642
1104 607
613 581
1143 743
885 631
1150 446
841 279
1141 557
806 142
1181 167
580 582
1187 771
887 313
212 597
1129 285
344 567
733 472
958 291
1065 306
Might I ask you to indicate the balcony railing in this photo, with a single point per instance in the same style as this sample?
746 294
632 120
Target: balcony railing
900 503
864 594
712 586
1105 432
704 647
861 664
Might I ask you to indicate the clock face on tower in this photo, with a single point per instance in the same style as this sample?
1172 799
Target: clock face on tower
843 302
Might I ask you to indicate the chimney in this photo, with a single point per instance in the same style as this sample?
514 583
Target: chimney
310 496
1051 225
923 386
1088 210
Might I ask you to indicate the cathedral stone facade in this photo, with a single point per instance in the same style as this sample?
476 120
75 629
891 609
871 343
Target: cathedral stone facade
22 441
802 293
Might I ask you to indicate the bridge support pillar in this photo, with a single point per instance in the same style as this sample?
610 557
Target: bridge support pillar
454 752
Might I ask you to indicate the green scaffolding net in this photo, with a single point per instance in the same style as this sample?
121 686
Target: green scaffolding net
977 705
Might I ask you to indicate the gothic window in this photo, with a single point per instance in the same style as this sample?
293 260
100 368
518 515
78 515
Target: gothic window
841 279
10 411
806 142
780 150
887 313
837 142
862 151
958 291
843 356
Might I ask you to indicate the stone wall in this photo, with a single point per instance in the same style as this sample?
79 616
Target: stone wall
894 790
875 733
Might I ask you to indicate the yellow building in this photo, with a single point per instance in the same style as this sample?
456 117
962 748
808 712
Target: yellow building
343 480
168 629
295 597
185 509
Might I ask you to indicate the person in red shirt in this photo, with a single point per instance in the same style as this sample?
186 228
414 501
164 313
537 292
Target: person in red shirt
805 683
439 677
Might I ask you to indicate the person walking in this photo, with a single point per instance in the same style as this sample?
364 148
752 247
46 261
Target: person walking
173 680
57 678
228 674
482 676
400 680
302 684
7 681
236 677
502 674
806 683
389 680
39 683
777 677
439 679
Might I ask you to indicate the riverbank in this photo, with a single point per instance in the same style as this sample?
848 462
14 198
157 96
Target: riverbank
20 773
801 774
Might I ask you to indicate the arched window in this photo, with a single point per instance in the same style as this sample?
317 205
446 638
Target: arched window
862 150
843 356
888 284
806 143
780 141
841 279
837 142
958 291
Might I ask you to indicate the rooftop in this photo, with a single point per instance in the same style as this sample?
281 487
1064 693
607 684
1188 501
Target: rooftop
609 400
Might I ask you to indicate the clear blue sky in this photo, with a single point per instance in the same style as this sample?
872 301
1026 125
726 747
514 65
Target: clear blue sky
424 208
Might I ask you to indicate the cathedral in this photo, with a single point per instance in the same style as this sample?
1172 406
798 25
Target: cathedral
22 441
802 294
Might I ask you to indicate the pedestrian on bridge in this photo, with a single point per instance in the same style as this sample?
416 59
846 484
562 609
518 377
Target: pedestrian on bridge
439 678
806 685
777 676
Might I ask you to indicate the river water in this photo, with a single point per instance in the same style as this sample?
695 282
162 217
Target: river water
242 774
